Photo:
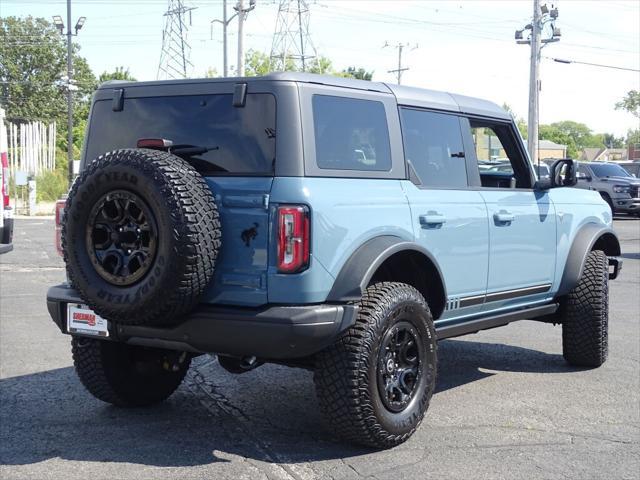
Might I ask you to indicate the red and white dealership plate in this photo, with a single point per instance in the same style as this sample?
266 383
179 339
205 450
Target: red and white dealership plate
82 320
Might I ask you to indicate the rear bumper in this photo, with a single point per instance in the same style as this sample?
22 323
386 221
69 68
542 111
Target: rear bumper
270 333
6 236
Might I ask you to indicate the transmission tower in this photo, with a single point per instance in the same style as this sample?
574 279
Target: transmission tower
292 40
174 59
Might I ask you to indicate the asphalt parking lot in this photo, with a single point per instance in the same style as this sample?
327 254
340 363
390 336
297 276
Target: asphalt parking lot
506 406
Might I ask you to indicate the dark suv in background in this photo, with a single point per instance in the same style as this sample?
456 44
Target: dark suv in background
617 186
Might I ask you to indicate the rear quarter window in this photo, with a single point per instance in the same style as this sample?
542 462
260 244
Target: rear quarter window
245 137
350 134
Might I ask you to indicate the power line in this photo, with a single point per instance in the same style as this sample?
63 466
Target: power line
174 58
562 60
291 39
400 70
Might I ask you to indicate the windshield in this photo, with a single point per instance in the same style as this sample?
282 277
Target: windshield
244 137
609 170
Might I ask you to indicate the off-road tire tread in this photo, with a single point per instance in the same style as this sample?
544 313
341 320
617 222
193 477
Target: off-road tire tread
197 233
584 314
91 367
341 373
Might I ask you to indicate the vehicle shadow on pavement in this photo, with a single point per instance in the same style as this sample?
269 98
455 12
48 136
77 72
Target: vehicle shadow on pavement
269 415
462 362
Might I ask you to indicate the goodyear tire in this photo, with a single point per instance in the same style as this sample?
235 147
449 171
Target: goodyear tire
128 375
140 235
585 315
375 383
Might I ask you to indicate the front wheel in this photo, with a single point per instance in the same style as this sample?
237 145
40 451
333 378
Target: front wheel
585 315
128 375
375 382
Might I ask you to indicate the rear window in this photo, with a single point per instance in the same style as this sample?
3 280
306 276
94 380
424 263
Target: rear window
351 134
245 136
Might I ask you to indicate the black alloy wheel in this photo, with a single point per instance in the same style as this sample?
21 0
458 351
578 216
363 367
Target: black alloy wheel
399 366
121 237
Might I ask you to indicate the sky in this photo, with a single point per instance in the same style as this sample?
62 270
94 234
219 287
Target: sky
465 47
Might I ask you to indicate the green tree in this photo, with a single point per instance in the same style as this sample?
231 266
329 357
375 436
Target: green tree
33 60
359 73
520 122
611 141
259 63
556 135
118 74
630 103
633 137
211 73
582 135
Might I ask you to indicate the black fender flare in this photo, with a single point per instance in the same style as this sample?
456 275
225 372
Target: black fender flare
358 270
584 241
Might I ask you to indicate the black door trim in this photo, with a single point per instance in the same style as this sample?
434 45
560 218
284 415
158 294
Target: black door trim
503 295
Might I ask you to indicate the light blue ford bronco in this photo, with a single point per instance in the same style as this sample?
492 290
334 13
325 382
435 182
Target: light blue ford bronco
338 225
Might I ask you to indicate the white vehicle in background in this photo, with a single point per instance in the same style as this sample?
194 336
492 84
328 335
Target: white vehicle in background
6 217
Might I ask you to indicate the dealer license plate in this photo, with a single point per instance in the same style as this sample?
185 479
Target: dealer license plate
82 320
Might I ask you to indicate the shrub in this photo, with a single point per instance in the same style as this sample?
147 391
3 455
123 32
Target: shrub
51 185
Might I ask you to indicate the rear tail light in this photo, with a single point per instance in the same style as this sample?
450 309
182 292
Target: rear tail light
293 238
5 180
59 214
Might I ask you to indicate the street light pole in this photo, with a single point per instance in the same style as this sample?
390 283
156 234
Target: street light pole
69 94
59 24
225 23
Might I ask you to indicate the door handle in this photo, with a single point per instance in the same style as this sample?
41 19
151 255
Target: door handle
432 219
503 217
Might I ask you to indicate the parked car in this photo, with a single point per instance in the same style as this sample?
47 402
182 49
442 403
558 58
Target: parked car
333 224
632 167
617 186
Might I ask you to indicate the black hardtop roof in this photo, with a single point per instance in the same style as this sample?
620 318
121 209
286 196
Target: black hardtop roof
411 96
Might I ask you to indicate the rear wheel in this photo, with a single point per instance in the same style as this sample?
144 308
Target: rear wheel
128 375
585 315
375 383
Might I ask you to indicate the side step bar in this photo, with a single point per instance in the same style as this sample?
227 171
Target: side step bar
484 323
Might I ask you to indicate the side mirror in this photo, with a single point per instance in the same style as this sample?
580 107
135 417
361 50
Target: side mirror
562 174
583 176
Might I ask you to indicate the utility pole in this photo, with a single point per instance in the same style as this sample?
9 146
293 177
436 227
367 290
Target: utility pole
59 24
398 71
534 83
542 16
242 16
225 24
240 7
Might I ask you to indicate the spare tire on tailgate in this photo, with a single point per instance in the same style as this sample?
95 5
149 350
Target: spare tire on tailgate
141 233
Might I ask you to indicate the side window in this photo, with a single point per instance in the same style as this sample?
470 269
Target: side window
351 134
583 172
500 162
433 145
